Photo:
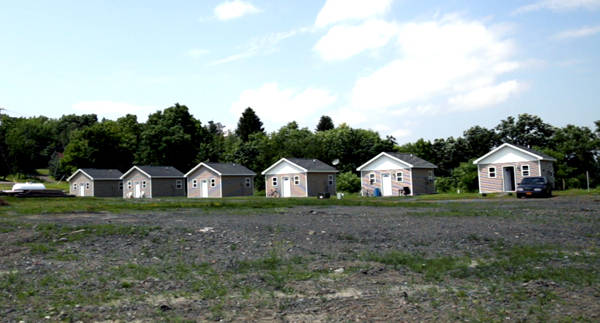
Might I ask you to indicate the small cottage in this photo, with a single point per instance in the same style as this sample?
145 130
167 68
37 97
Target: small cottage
395 174
504 167
299 177
96 182
219 180
153 181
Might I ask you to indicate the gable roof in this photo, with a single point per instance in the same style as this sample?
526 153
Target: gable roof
98 174
538 155
224 169
156 171
410 160
306 165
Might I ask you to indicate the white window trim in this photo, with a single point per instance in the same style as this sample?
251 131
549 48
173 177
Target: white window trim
490 172
274 181
87 186
401 177
373 178
74 186
296 180
178 184
143 184
129 185
194 183
523 171
213 182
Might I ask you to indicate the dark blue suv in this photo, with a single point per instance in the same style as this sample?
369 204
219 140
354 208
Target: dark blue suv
534 186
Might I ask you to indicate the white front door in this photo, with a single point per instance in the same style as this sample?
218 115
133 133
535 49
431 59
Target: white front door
81 190
386 185
138 190
204 188
287 187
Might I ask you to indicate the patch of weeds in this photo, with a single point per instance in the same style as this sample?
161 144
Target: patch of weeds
65 256
216 311
11 226
432 268
134 271
233 247
52 231
346 237
210 287
39 248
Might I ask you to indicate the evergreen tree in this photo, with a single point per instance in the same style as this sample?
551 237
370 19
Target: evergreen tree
249 123
325 124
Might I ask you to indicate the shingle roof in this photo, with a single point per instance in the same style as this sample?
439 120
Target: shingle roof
544 156
161 171
230 169
312 165
415 161
96 173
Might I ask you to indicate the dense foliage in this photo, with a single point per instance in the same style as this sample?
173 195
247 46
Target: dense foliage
175 137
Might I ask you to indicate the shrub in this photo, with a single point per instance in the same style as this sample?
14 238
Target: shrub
348 182
445 184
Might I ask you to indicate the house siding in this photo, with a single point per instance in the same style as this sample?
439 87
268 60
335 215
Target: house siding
107 188
201 174
299 190
319 183
422 182
167 187
368 189
548 171
137 177
495 185
236 186
81 179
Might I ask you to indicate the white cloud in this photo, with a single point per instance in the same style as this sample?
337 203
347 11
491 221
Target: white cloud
234 9
278 106
485 96
448 57
265 44
114 110
341 10
578 33
343 41
196 52
559 5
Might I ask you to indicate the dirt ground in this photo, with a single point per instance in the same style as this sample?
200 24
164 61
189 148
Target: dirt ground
509 260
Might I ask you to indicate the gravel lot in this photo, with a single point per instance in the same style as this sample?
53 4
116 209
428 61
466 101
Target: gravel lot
508 260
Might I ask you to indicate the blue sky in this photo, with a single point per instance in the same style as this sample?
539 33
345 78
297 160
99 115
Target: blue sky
410 69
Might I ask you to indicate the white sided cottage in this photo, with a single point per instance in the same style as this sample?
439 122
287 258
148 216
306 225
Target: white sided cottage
504 167
395 174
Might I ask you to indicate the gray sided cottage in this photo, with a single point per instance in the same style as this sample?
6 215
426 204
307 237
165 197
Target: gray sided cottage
504 167
96 182
153 181
219 180
396 174
299 177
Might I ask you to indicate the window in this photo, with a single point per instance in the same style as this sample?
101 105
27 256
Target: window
399 176
296 180
213 182
330 179
128 184
525 170
492 172
74 186
274 181
430 176
120 186
248 182
143 184
194 183
87 186
371 178
178 184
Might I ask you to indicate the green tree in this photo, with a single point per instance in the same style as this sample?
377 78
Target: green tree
325 123
30 144
577 151
465 176
348 182
479 141
528 130
248 124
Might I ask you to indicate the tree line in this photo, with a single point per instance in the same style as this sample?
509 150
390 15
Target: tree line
176 138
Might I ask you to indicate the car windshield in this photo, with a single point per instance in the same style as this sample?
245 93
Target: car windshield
533 180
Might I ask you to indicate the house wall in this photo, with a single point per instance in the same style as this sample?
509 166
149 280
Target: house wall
548 171
423 183
136 177
368 189
493 185
236 186
167 187
299 190
107 188
319 183
203 173
81 179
